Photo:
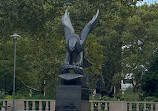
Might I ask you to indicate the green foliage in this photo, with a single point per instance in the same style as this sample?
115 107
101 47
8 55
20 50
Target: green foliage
129 95
41 49
150 79
95 97
151 98
8 97
1 103
26 96
140 41
113 21
106 98
1 95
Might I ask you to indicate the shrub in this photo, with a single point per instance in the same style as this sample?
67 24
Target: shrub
1 95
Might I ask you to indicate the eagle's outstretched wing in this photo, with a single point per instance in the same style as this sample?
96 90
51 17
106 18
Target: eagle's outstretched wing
68 28
86 30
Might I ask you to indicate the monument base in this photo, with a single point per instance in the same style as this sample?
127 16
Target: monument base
72 98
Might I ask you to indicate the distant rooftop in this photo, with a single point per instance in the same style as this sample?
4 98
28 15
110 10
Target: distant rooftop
148 2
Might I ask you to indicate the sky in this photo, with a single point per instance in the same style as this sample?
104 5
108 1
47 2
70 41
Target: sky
147 2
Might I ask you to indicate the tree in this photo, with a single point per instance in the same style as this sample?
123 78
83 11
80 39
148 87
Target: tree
113 20
140 41
150 79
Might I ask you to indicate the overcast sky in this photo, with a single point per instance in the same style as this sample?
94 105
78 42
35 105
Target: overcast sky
147 2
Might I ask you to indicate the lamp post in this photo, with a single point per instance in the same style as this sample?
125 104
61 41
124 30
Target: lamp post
5 76
14 36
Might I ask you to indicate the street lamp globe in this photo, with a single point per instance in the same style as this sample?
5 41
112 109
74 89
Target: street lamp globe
15 36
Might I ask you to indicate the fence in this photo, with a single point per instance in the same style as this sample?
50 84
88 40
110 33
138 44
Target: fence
95 105
123 106
29 104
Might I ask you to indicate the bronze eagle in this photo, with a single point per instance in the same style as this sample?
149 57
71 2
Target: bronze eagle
75 43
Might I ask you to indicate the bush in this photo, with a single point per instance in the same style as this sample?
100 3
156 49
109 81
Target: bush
21 96
1 103
95 97
1 95
151 98
129 95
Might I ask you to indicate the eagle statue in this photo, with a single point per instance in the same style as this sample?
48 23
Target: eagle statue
75 43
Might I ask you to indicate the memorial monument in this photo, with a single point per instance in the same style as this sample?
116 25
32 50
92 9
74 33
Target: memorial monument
73 94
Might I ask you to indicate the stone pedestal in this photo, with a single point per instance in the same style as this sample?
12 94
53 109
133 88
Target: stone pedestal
72 98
